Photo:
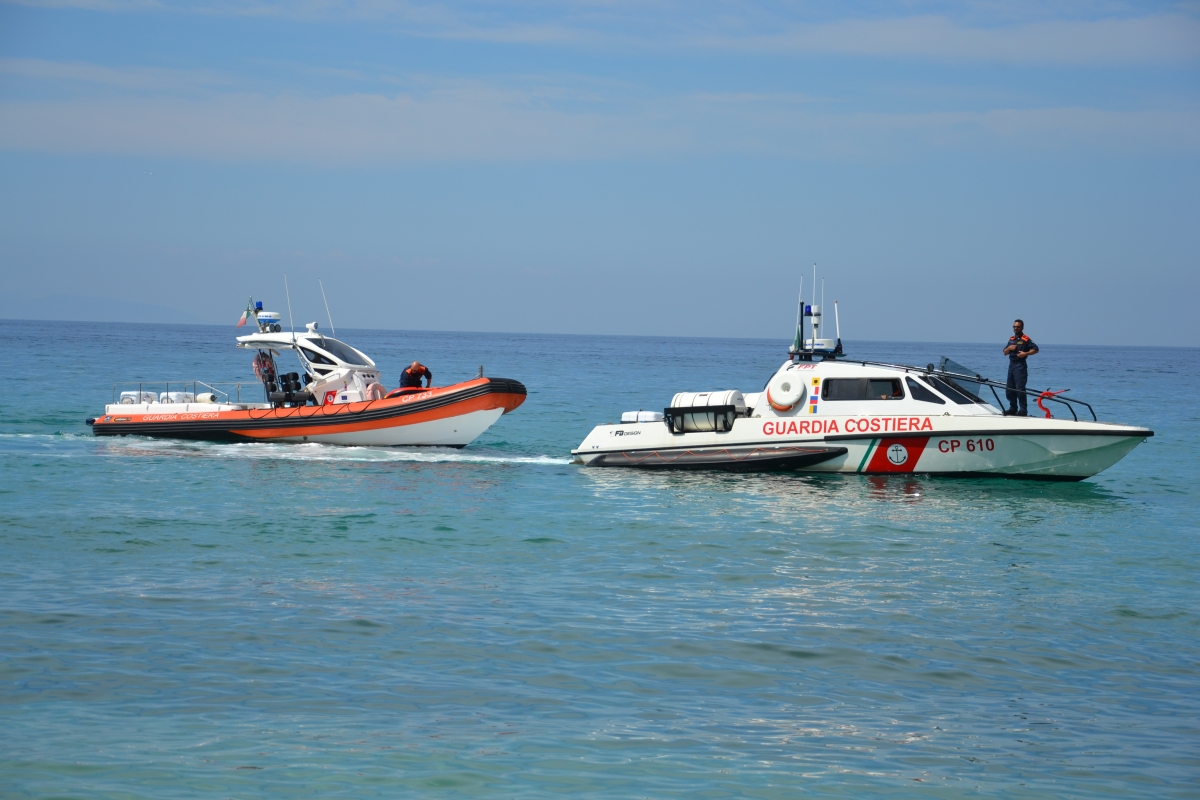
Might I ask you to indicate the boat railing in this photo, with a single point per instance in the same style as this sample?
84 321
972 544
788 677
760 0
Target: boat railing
722 417
956 377
226 392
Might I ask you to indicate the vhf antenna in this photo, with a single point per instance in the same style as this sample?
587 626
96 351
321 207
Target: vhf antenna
813 324
332 329
288 292
837 326
800 316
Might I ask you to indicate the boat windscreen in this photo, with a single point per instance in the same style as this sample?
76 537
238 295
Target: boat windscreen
341 351
952 390
917 391
963 384
316 358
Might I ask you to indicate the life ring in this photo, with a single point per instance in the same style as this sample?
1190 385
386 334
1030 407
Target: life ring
785 391
263 367
376 391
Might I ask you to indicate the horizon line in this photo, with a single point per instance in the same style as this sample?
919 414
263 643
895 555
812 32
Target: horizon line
593 335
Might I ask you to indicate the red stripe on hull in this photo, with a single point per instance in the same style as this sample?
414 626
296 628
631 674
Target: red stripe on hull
898 454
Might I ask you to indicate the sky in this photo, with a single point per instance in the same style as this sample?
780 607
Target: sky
607 167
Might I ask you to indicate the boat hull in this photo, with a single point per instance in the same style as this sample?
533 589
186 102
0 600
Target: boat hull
451 416
991 446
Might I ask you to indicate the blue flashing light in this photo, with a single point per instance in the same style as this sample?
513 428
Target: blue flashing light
258 306
808 311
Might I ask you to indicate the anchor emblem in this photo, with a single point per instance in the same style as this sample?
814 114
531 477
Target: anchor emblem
897 454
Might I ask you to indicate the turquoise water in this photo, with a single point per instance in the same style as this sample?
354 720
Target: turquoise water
188 619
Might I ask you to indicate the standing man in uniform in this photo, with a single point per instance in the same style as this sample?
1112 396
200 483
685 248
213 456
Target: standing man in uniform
1018 349
412 376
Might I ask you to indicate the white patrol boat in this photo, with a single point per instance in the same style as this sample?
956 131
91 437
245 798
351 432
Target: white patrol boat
339 399
821 412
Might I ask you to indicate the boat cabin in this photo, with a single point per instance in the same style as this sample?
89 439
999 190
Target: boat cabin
334 372
853 388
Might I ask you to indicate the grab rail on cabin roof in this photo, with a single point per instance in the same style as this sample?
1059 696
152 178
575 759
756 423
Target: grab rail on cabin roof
1069 402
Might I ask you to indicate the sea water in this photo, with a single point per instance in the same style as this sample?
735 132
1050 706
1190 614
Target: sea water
182 619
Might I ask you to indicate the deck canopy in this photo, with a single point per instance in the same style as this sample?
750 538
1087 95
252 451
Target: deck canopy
317 347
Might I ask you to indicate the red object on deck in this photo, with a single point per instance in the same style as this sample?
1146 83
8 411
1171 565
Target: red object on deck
1048 393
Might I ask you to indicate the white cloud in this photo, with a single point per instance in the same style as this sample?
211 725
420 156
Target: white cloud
95 5
1043 33
340 129
152 78
477 121
1152 39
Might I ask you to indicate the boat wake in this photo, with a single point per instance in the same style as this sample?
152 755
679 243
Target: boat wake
44 444
312 451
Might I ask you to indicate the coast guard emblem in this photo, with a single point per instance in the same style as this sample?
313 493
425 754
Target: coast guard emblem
897 454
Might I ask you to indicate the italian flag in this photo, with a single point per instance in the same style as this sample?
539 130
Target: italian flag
247 314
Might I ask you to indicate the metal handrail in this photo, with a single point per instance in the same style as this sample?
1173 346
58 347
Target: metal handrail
233 396
1069 402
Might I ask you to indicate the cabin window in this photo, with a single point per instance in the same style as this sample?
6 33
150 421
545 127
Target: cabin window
953 391
917 391
862 389
340 351
314 357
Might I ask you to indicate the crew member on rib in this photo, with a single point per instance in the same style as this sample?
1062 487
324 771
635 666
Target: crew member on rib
411 377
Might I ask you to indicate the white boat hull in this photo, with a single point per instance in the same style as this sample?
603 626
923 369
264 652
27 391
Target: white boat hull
948 445
450 432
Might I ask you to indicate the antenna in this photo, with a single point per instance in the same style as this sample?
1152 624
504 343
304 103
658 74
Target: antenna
815 326
822 314
332 329
289 298
837 327
800 312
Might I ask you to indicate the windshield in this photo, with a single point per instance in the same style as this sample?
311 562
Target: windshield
917 391
341 351
314 357
952 390
969 387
